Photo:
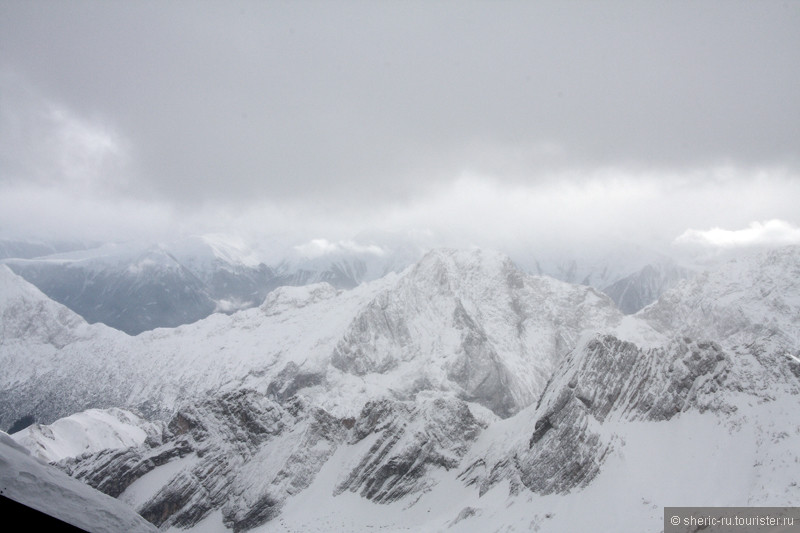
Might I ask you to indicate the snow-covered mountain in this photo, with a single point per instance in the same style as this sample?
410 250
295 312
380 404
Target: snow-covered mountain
30 482
752 298
461 393
645 286
139 286
592 264
473 323
482 327
87 432
28 249
30 316
136 287
729 339
632 275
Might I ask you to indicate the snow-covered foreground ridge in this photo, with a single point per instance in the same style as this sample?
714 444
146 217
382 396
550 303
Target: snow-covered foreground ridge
35 484
431 399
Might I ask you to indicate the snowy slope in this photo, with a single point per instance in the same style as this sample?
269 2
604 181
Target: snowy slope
130 287
60 370
747 459
753 298
477 303
87 432
29 316
139 286
53 361
523 323
616 416
618 434
471 322
461 393
243 455
45 488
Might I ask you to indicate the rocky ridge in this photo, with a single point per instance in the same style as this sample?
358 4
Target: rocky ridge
461 370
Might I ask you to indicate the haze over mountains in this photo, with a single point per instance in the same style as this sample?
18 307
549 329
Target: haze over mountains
460 393
359 266
139 286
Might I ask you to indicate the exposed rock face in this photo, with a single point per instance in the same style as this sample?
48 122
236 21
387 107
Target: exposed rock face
750 299
609 374
559 367
472 322
408 440
468 323
606 378
644 287
292 379
478 369
244 454
247 453
32 483
374 340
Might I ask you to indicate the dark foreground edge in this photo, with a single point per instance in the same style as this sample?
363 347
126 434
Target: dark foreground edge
19 517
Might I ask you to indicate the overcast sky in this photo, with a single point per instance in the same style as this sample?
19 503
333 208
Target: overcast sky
493 123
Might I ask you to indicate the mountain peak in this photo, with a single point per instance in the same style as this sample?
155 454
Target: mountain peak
26 313
750 298
290 297
462 270
469 321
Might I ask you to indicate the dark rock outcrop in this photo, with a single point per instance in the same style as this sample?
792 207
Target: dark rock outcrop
607 378
227 437
410 439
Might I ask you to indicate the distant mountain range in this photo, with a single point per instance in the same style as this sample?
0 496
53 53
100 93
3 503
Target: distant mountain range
461 394
136 287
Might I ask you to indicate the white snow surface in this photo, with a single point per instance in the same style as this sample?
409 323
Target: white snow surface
86 432
696 459
26 480
356 261
528 331
414 323
28 316
143 489
528 326
752 297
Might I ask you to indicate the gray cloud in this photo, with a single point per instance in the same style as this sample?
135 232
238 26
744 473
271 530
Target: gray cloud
346 114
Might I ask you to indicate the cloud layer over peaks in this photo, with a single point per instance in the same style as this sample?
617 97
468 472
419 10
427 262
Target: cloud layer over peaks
768 233
488 123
